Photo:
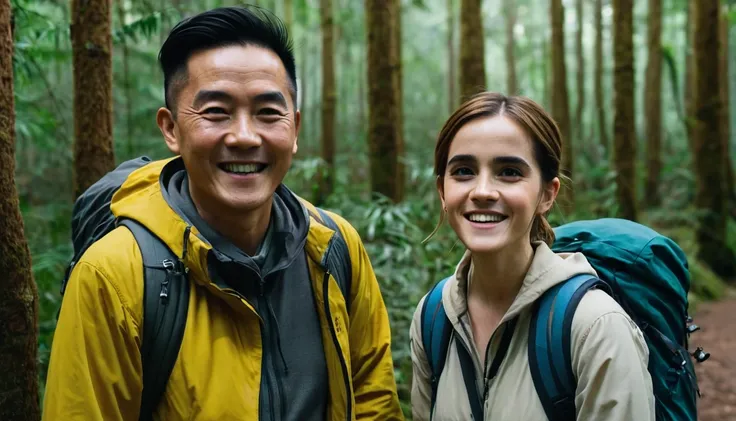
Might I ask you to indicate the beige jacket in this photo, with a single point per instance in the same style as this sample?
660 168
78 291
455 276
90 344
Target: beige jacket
609 354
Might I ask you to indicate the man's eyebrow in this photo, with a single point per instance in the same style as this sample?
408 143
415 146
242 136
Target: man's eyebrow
273 97
461 158
204 96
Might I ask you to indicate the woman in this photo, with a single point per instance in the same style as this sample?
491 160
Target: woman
497 162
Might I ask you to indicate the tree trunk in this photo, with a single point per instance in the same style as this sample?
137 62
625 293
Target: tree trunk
560 100
329 98
398 74
599 101
511 82
92 59
653 103
624 133
472 53
710 197
383 109
126 85
579 123
451 57
19 398
289 16
689 81
726 118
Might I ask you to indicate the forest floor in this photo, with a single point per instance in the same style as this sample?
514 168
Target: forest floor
717 375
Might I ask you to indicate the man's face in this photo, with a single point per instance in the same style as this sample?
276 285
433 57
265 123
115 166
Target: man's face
235 127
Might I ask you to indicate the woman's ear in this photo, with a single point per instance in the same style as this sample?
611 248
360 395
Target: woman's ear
441 190
549 194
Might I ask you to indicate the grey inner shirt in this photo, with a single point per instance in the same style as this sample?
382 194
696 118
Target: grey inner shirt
276 281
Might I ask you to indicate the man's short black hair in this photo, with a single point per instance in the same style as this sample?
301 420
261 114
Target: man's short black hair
222 27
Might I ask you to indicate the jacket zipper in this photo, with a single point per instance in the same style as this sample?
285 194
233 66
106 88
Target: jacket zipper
328 313
271 379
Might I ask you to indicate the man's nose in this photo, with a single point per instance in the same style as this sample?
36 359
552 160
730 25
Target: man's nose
243 133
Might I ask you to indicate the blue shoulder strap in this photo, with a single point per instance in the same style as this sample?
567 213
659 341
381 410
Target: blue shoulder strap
550 358
436 332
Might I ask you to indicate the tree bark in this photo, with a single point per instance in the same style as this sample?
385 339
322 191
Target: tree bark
383 109
329 98
398 74
451 57
19 399
726 118
710 196
653 104
129 127
560 101
511 81
92 60
580 79
624 133
599 101
472 52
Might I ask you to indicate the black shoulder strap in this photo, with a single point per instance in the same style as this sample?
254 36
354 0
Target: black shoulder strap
466 364
165 305
339 258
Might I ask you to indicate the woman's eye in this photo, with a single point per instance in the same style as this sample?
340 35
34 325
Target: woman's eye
462 172
510 172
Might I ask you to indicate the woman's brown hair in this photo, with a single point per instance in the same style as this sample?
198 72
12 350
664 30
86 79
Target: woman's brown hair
532 118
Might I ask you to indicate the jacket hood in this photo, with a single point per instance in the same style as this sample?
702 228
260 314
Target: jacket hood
547 270
144 198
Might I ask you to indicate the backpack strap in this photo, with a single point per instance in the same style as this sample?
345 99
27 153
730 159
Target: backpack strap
550 357
436 332
339 258
165 305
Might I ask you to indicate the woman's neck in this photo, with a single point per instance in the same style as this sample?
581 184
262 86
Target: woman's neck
497 277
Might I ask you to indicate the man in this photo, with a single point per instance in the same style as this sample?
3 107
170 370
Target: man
268 333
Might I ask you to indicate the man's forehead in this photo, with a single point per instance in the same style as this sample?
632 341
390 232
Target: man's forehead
236 60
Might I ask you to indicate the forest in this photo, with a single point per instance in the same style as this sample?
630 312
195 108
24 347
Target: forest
641 91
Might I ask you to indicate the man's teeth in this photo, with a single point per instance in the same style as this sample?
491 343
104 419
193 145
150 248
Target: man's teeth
484 217
242 168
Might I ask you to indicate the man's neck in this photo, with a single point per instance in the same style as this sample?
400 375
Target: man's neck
245 229
497 277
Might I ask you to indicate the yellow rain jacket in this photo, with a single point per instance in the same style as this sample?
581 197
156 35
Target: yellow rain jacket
95 364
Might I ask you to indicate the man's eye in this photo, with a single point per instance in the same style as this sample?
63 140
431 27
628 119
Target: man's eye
270 111
215 110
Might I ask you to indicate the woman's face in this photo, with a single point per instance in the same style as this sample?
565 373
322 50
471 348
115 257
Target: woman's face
492 186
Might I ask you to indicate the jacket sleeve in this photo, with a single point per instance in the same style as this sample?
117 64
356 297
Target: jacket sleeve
95 366
372 367
421 389
610 361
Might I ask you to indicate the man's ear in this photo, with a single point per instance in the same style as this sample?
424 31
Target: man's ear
167 125
441 190
549 194
297 126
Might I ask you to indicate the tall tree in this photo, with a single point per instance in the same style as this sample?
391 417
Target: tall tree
383 107
512 87
653 103
580 75
399 92
472 52
289 16
710 196
329 98
451 57
724 27
689 81
92 60
624 133
18 294
127 85
599 102
558 90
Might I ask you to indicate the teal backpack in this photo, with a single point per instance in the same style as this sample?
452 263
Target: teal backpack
645 272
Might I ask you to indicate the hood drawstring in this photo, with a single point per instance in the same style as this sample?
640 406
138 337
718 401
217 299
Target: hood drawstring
278 336
185 243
